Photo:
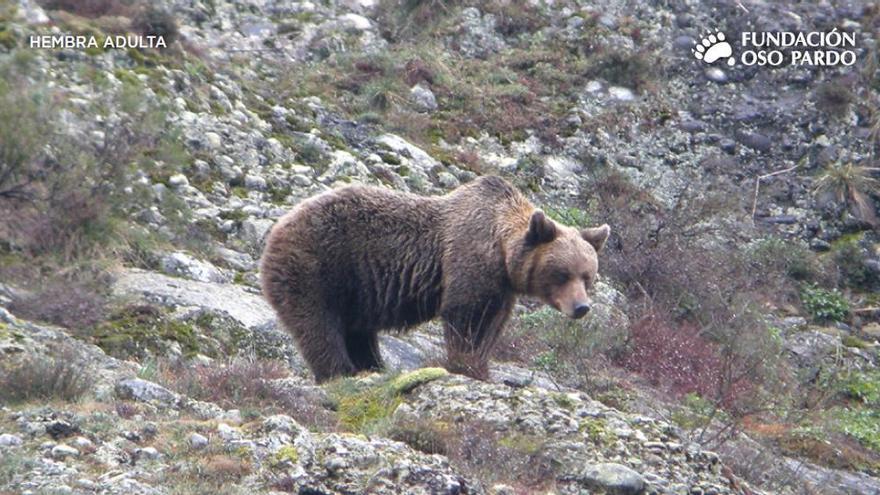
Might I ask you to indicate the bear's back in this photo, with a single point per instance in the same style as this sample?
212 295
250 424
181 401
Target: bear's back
374 254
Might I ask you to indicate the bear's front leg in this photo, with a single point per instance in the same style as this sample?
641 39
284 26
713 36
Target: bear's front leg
471 331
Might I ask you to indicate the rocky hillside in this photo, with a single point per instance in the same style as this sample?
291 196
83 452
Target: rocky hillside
733 342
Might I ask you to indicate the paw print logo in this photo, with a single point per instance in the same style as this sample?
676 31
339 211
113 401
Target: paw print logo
713 46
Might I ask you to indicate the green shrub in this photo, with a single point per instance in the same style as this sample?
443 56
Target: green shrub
7 39
850 260
864 387
573 217
772 254
824 305
853 341
861 424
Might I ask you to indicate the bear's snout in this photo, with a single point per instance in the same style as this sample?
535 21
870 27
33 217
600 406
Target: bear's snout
580 310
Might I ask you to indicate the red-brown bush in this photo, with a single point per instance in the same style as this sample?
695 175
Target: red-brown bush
681 359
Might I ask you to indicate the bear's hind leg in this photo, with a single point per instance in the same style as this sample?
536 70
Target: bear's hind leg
363 349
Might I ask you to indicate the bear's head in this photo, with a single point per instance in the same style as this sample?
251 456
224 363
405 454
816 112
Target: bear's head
558 264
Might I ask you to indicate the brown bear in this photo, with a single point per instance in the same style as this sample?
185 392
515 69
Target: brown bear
347 263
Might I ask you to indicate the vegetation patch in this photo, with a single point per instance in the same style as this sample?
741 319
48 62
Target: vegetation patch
864 387
482 451
141 331
407 382
598 431
863 424
244 383
286 455
824 305
62 376
573 217
365 406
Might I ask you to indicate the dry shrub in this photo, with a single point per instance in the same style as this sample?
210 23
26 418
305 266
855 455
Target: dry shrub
70 304
246 383
514 18
699 299
155 21
834 97
400 19
224 467
126 410
417 71
62 376
63 198
92 8
228 384
838 452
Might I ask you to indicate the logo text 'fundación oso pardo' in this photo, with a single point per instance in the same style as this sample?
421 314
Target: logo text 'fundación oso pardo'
775 48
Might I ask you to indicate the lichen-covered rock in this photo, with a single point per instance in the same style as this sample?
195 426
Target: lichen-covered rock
613 479
423 98
181 264
144 391
593 446
477 37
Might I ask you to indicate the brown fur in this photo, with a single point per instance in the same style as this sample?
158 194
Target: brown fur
345 264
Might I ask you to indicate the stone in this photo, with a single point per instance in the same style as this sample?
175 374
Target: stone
83 444
413 154
212 140
177 181
560 168
253 232
144 391
447 180
227 432
181 264
9 440
621 94
250 310
197 441
282 423
301 180
423 98
728 145
63 451
684 44
717 75
613 479
236 259
758 142
255 182
809 347
477 37
148 453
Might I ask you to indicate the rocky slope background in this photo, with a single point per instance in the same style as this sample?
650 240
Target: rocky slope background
733 345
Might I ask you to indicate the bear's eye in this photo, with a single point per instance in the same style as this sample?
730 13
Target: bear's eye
588 280
559 277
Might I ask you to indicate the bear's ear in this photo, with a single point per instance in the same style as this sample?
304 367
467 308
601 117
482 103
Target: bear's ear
596 236
541 229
